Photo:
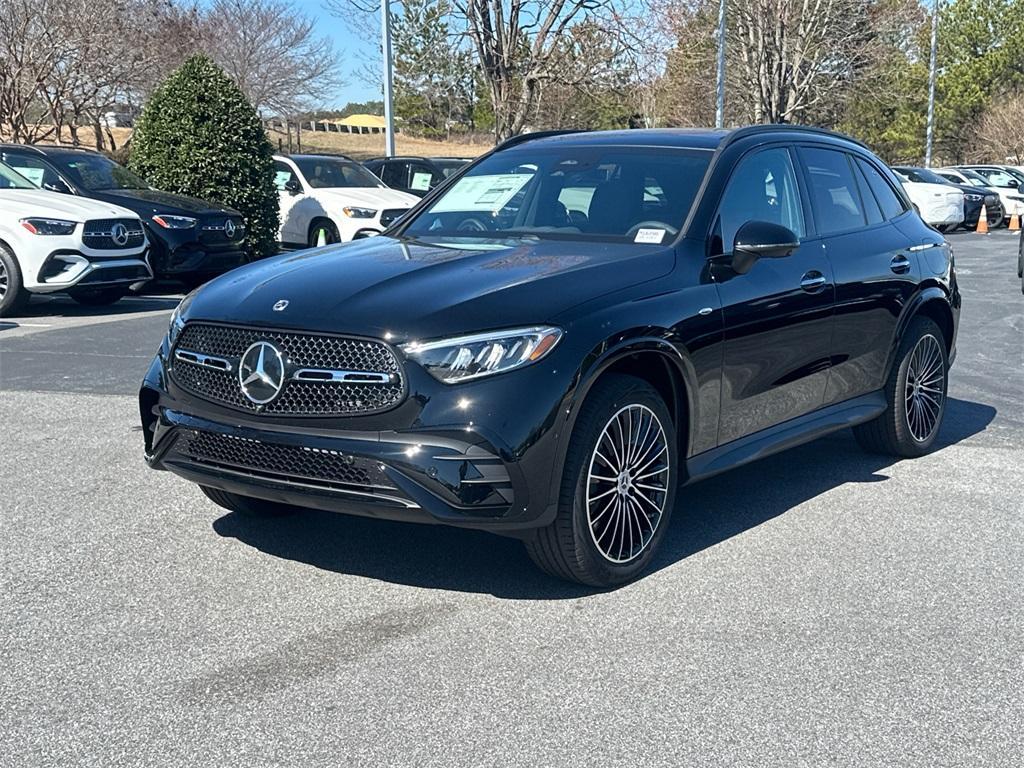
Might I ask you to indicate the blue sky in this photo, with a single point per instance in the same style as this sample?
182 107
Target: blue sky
354 52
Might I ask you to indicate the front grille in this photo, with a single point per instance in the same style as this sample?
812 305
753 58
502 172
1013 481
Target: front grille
215 231
275 460
390 216
99 234
300 350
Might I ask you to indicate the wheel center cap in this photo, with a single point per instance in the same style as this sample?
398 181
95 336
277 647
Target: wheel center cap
625 483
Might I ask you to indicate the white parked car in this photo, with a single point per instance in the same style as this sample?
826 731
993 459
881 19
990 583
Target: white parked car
1006 180
1009 197
940 205
331 199
52 243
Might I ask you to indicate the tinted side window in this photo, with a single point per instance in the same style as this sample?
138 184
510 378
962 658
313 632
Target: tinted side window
874 213
834 193
762 188
35 170
423 177
395 174
888 200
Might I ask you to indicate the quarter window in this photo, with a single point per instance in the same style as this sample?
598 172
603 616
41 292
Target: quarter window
762 188
888 200
837 206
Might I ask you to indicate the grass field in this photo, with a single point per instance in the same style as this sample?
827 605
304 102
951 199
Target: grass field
357 146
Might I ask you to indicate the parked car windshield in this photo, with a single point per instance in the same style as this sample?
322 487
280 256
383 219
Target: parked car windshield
973 178
922 175
618 194
326 173
996 177
96 173
11 179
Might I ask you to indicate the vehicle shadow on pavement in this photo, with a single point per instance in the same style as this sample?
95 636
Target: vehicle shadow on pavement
707 513
64 306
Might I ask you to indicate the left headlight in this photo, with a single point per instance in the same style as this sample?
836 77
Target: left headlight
178 319
167 221
973 197
359 213
49 226
483 354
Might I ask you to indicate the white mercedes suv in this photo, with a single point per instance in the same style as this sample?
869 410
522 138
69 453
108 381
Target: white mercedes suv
53 243
333 199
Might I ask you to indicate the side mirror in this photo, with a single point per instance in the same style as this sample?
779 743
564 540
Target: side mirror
1013 183
761 240
292 186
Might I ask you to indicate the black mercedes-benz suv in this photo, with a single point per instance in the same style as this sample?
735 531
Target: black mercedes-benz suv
191 240
558 338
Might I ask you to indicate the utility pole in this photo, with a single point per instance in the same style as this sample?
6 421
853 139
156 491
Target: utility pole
930 130
720 95
389 118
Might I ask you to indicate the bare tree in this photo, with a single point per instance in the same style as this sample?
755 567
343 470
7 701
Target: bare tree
28 58
1001 132
272 51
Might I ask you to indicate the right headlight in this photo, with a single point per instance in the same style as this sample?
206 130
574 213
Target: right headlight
472 357
973 197
178 318
168 221
49 226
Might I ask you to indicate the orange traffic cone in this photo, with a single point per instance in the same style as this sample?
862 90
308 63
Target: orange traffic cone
982 221
1015 223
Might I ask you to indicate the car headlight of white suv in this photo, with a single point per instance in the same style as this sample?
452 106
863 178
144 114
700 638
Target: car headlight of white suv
359 213
49 226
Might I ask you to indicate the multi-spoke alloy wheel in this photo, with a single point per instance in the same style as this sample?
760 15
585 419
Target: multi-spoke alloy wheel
926 388
627 483
5 281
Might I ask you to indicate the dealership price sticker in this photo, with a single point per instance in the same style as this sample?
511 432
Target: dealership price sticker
485 194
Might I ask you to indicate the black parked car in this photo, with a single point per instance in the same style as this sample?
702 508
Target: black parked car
415 175
974 197
190 239
644 309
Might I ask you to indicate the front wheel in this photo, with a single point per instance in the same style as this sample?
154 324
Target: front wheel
247 506
323 232
618 487
916 396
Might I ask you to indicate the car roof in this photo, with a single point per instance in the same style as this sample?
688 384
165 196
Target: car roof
48 149
683 138
314 156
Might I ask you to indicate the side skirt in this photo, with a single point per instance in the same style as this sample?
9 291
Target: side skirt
789 434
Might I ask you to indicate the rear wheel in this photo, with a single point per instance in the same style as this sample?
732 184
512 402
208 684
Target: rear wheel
618 487
323 229
1020 254
916 395
12 293
99 297
247 506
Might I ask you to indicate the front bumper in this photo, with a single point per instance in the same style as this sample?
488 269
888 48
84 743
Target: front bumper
177 253
66 269
410 464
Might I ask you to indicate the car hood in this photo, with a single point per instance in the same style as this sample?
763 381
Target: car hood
921 192
22 203
407 290
151 201
378 198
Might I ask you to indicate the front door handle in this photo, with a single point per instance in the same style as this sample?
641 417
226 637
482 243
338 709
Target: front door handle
813 281
900 264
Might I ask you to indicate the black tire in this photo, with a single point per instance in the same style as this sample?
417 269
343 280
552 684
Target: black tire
328 228
892 433
13 295
99 297
247 506
1020 255
569 548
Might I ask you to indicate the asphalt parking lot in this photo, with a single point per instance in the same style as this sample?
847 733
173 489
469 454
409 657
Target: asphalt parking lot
821 607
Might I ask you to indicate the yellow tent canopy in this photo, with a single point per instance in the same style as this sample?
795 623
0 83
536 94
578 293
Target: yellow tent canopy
362 121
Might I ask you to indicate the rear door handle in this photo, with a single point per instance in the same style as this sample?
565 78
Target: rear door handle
813 281
900 264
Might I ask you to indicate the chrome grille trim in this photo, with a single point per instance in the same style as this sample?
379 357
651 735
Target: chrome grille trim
326 375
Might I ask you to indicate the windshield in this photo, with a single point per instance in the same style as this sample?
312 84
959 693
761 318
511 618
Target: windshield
998 178
618 194
922 176
96 173
973 178
326 173
11 179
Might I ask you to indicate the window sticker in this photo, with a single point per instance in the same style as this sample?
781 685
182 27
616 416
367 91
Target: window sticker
420 181
482 193
35 175
649 236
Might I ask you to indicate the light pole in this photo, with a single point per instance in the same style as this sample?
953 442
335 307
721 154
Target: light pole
720 93
930 129
389 118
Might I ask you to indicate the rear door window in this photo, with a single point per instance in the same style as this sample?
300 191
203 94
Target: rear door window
834 194
890 203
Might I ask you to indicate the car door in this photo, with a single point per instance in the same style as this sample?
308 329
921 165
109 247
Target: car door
872 261
292 229
395 174
777 316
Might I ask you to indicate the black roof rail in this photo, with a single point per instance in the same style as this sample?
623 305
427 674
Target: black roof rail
753 130
523 137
